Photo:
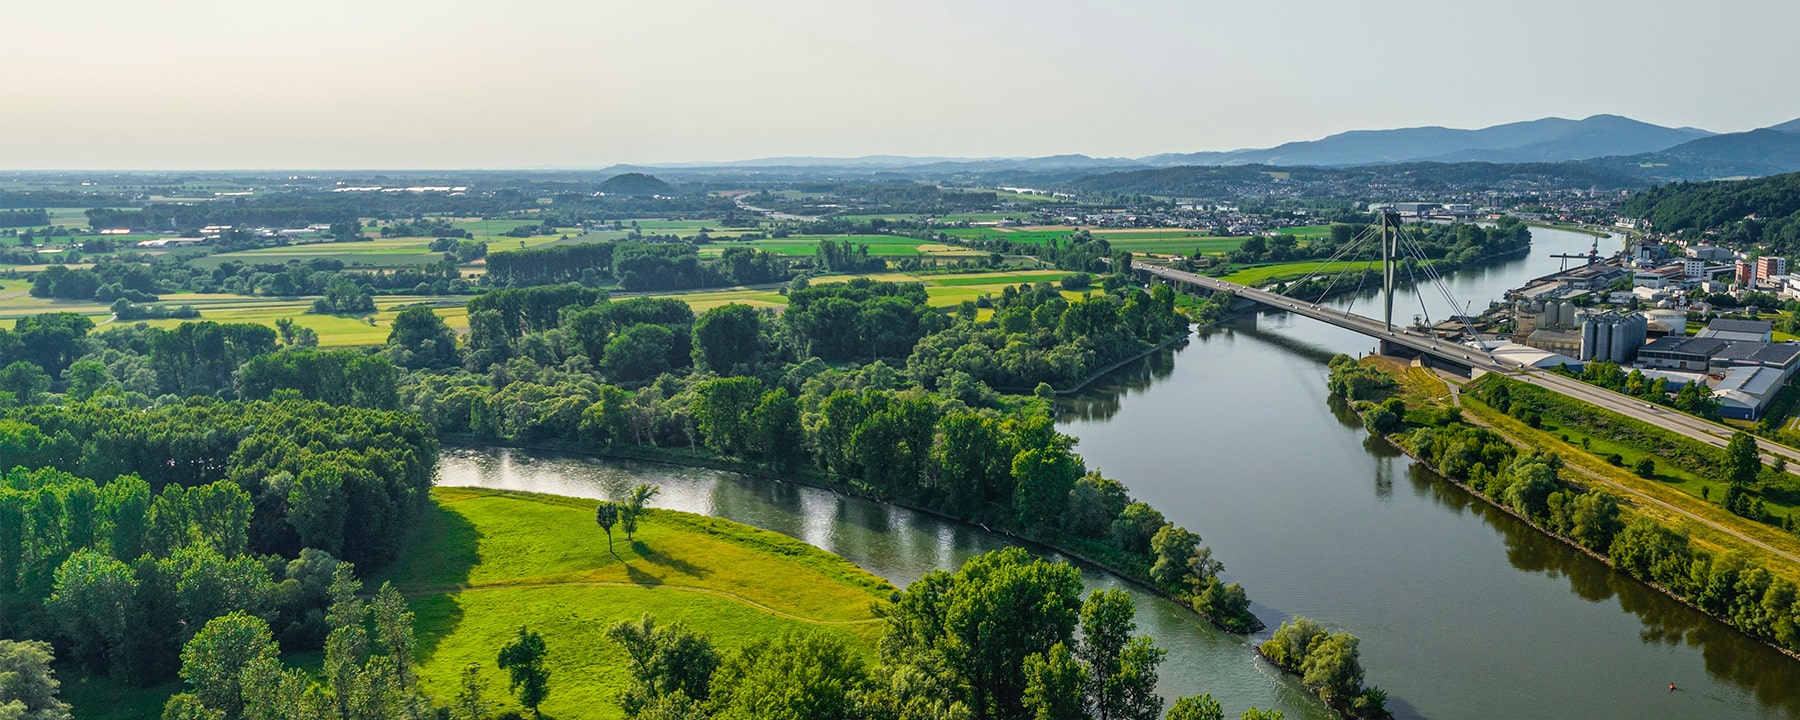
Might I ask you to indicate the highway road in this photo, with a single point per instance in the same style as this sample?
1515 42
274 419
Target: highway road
1702 430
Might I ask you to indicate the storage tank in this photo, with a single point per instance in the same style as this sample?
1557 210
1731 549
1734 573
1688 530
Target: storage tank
1565 314
1589 337
1603 336
1552 313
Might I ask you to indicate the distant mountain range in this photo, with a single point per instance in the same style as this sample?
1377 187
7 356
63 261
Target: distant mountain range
1602 143
1545 140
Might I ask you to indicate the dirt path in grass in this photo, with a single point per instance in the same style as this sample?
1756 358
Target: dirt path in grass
531 584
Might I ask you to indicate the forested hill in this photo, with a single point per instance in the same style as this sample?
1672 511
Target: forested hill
1240 180
1763 210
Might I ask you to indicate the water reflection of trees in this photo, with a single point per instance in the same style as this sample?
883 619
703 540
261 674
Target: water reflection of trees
1728 655
1101 400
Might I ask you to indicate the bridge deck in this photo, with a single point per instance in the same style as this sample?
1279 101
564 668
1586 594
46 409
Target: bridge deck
1688 425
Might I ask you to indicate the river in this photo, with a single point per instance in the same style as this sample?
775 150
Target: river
1463 611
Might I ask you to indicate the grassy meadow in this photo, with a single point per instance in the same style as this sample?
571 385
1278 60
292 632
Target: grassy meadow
484 562
489 561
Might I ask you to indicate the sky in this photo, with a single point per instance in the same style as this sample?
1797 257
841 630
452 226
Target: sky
414 84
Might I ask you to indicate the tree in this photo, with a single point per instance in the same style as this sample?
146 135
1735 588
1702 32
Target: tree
25 381
1053 685
981 622
1261 714
607 515
1044 477
28 687
212 661
421 340
523 660
469 704
663 661
798 676
1137 526
91 603
639 353
1332 665
780 439
1121 669
635 506
1201 707
726 337
1742 464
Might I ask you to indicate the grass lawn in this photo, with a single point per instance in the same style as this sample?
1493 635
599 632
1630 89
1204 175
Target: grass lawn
486 562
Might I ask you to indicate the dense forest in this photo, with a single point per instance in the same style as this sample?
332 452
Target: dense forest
1763 210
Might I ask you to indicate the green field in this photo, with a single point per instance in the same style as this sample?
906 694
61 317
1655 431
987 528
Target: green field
1162 241
334 331
341 331
879 246
486 562
1261 274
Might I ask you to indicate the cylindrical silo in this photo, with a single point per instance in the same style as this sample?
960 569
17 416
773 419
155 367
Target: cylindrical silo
1589 339
1565 315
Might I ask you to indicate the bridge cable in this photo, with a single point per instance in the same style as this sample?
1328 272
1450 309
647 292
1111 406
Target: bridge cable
1438 282
1348 247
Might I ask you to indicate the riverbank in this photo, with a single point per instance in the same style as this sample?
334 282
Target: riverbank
1484 419
807 478
1583 229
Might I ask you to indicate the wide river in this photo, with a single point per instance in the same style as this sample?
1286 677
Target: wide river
1463 611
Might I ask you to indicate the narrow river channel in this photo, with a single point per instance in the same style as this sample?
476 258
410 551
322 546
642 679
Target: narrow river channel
1463 611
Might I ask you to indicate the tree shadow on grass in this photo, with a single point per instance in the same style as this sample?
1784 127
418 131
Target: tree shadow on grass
639 577
673 563
444 550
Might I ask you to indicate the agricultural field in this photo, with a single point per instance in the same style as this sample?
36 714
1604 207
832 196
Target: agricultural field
345 331
1162 241
943 290
879 246
334 330
487 562
1258 275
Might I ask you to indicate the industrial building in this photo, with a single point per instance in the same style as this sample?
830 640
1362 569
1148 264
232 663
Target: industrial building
1698 354
1612 336
1747 391
1507 353
1738 330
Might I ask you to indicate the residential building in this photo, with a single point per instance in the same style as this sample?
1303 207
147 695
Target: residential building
1746 273
1770 268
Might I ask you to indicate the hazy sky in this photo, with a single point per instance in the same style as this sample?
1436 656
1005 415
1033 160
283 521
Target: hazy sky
524 83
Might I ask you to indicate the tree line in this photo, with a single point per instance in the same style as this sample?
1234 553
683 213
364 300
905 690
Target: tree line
1728 586
635 266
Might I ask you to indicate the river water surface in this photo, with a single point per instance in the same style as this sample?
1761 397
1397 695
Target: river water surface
1463 611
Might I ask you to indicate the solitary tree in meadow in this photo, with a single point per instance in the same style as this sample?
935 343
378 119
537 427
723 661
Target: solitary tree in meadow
634 507
523 660
606 516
